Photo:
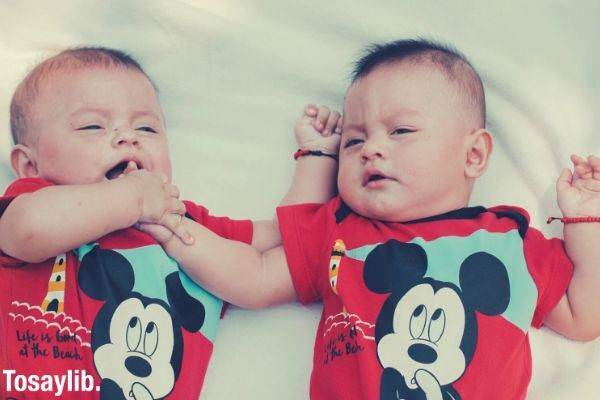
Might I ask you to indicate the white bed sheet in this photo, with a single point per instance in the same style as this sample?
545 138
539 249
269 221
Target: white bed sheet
233 76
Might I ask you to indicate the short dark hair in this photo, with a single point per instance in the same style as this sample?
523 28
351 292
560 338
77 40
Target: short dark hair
70 59
448 59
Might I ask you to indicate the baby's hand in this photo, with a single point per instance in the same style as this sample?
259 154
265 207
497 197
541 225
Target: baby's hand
158 232
163 235
319 128
160 200
578 193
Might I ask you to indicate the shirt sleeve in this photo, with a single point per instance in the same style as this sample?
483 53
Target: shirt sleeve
18 187
551 270
238 230
305 233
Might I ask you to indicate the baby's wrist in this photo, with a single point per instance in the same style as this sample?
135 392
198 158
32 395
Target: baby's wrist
170 244
127 213
318 147
134 189
166 241
575 216
306 153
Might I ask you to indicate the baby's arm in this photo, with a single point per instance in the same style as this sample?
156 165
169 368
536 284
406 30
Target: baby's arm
577 314
29 225
234 271
317 129
257 276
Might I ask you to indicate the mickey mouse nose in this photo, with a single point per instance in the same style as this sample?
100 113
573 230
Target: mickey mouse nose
138 366
422 353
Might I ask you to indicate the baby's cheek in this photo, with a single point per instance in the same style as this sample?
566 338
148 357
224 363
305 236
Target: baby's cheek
165 168
409 174
161 159
349 185
344 176
49 153
51 159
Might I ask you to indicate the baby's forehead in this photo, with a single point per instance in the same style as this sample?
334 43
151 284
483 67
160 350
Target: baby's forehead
50 71
63 76
421 80
88 84
410 71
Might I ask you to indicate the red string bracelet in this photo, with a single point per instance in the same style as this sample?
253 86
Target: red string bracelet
573 220
306 152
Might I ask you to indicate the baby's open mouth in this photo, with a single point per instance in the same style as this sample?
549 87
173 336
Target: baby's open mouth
118 169
374 178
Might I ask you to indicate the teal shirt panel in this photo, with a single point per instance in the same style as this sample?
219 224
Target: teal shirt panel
151 265
446 254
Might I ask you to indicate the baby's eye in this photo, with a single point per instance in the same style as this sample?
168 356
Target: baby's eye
402 131
352 142
146 129
91 127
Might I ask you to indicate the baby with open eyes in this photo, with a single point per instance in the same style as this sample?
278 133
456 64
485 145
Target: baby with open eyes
424 296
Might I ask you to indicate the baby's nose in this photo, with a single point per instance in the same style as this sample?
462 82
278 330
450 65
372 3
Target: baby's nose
371 150
125 136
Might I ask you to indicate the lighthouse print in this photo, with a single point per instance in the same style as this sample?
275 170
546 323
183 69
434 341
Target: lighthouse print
339 248
54 300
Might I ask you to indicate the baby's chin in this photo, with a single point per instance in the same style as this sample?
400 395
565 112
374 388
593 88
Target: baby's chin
382 209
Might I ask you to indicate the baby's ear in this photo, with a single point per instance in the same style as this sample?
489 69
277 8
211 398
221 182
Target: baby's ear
479 149
23 162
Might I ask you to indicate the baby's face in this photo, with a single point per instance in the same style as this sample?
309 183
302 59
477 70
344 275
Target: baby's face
403 153
88 123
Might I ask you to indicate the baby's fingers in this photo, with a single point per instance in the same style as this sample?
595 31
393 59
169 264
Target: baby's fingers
338 125
592 185
174 223
173 191
322 116
564 180
310 110
577 159
131 166
331 123
176 206
581 167
594 162
158 232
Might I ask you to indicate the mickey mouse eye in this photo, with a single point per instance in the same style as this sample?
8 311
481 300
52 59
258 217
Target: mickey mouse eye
437 325
418 319
134 333
150 339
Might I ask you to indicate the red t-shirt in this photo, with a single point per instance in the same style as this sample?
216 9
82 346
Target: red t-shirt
113 319
434 308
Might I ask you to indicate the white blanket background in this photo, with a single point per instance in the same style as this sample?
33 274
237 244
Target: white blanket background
234 75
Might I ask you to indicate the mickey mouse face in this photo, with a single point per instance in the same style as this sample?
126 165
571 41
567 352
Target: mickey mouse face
140 347
428 327
137 340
